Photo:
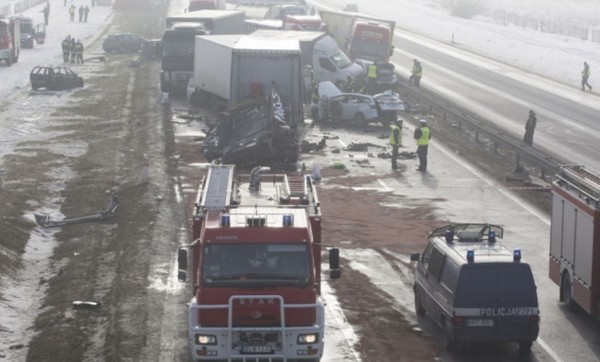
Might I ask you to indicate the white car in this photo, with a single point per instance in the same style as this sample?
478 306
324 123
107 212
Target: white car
362 108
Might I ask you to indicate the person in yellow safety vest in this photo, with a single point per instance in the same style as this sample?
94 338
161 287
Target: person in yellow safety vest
371 78
585 74
422 135
396 141
416 73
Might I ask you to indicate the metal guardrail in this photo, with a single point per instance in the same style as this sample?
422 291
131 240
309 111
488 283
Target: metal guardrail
533 155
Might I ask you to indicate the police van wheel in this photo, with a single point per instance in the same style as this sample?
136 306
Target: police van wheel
525 346
447 339
565 290
418 304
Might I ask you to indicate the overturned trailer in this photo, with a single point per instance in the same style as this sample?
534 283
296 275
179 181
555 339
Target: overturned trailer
254 133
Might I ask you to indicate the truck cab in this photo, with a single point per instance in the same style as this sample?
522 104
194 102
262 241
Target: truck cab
31 33
304 23
10 43
256 268
370 41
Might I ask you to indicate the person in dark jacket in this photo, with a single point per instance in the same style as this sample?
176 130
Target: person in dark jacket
66 48
585 74
530 128
422 135
79 51
72 50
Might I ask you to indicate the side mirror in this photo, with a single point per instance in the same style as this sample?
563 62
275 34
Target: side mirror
182 258
334 263
415 257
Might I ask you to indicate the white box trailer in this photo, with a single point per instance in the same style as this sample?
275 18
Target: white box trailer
229 69
575 237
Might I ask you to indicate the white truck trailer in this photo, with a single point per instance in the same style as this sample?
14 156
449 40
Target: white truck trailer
322 54
575 238
178 42
229 69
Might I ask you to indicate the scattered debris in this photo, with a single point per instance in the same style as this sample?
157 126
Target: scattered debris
110 211
85 304
338 165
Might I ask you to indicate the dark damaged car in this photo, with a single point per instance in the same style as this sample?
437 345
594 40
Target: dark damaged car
54 78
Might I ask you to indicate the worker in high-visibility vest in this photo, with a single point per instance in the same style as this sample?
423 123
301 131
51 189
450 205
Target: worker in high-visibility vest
416 73
371 78
396 140
422 135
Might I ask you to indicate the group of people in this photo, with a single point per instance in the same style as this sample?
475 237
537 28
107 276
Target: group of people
72 50
422 135
83 13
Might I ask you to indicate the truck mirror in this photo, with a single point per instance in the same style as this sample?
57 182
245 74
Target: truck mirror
182 276
334 259
415 257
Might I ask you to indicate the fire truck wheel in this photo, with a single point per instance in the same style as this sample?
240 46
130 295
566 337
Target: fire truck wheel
566 295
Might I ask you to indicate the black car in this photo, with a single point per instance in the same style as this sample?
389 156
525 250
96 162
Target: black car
54 78
123 42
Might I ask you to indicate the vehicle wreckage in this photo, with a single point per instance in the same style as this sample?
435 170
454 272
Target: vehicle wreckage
110 211
254 133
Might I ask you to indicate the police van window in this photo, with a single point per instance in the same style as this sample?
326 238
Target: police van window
449 276
515 279
435 263
427 253
478 280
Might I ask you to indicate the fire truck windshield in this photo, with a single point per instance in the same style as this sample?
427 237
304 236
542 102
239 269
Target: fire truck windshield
251 263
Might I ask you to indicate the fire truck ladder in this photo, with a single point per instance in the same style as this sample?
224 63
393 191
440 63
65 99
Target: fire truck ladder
297 189
580 179
218 187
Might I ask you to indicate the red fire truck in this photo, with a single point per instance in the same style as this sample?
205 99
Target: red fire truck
10 40
256 268
575 238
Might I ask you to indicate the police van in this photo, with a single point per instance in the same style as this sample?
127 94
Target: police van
475 288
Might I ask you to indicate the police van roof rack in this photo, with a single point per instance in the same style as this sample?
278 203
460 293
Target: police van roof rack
469 233
585 182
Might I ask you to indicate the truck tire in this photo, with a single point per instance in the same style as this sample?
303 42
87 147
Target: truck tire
566 295
8 61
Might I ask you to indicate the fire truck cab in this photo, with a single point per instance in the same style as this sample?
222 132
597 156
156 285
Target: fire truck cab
256 268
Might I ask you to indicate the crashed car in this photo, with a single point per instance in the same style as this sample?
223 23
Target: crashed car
362 108
123 42
386 79
54 78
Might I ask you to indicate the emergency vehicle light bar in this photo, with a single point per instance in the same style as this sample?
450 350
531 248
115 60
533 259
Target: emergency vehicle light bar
517 255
